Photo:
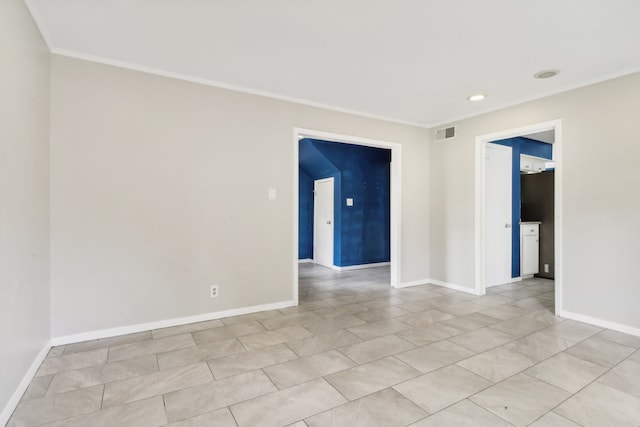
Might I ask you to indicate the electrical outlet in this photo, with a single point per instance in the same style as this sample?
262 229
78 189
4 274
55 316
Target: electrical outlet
213 291
546 268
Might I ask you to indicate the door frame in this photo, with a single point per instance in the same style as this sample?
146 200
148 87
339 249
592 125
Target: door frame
395 199
508 208
479 232
315 216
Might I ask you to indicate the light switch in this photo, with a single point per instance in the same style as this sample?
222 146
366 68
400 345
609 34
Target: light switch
272 194
349 202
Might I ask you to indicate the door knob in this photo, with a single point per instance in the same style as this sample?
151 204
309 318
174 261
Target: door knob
328 222
507 225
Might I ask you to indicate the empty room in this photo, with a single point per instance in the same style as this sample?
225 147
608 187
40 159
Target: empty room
286 213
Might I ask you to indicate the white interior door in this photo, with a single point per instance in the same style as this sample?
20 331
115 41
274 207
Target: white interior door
323 222
497 215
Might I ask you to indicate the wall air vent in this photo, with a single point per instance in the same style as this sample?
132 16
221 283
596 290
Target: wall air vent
445 133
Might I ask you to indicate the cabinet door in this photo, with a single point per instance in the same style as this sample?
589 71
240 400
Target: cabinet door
530 255
539 166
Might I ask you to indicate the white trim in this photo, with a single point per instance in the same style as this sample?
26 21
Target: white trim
479 233
141 327
12 404
228 86
625 329
361 266
515 279
396 191
305 260
455 287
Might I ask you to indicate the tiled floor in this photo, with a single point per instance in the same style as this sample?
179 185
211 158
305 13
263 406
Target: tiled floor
354 353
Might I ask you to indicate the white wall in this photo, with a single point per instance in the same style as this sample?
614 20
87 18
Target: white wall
159 189
601 148
24 196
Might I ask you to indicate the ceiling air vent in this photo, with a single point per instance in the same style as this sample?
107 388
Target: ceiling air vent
445 133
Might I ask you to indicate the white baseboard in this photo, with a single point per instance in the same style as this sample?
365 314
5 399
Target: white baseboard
454 287
361 266
626 329
22 387
141 327
516 279
304 260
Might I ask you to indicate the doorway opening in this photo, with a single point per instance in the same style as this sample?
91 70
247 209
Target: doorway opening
394 169
499 231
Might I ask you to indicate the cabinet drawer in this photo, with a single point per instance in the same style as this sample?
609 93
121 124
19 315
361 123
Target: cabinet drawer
529 229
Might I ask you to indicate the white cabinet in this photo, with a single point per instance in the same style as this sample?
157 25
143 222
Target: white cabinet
531 164
529 248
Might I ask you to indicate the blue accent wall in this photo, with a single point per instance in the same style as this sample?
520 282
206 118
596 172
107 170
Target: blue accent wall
520 145
361 231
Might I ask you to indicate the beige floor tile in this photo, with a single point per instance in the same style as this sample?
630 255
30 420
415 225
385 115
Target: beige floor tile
386 408
383 302
56 351
185 329
544 316
497 364
519 326
37 388
129 351
539 346
551 419
106 342
599 405
53 408
383 313
200 353
283 321
228 332
572 330
143 413
605 353
567 372
504 312
288 405
244 362
376 348
220 418
308 368
371 377
434 356
276 336
619 338
195 401
323 342
102 374
328 325
463 308
424 318
429 334
482 339
493 300
520 399
438 389
155 384
471 321
379 329
244 318
418 306
624 377
463 414
72 361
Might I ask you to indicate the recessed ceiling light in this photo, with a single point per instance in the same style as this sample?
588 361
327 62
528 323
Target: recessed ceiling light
478 97
546 74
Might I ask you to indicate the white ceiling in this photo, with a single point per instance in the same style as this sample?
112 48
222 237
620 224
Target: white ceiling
413 61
